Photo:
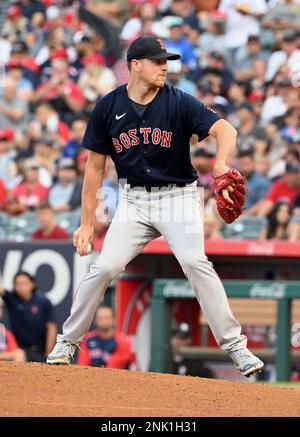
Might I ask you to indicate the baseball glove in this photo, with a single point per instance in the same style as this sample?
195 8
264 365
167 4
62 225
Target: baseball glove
230 211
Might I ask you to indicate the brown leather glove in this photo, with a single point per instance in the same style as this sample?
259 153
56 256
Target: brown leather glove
230 211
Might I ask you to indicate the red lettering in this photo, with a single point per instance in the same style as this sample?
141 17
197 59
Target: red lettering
135 139
166 139
131 139
117 145
145 131
125 140
161 43
156 136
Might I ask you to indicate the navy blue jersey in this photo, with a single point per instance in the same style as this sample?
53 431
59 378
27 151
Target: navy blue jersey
115 352
99 350
28 318
152 149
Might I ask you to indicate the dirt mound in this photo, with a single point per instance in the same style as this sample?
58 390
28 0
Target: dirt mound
40 390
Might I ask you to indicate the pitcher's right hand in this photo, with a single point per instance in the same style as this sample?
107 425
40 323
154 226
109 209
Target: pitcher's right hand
82 239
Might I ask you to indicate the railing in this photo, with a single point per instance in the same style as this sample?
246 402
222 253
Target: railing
166 289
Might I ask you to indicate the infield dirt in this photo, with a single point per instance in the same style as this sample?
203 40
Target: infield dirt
40 390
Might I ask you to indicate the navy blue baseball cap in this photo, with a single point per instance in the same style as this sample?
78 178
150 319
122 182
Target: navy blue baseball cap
149 47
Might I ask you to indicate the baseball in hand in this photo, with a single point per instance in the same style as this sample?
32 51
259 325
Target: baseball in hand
89 249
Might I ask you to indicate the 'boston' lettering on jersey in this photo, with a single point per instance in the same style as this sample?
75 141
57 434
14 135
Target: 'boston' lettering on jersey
151 148
147 135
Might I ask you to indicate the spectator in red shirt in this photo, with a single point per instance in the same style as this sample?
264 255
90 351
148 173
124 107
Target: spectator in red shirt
63 94
285 189
104 347
49 230
29 193
19 53
9 349
2 195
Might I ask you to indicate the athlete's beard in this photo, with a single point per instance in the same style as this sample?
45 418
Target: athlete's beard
156 86
162 84
158 83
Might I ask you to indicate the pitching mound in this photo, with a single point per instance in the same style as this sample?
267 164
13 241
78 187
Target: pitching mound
41 390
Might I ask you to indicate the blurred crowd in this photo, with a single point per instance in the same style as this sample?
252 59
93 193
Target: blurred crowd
57 57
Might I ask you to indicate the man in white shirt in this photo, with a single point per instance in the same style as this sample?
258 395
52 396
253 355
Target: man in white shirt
288 54
242 20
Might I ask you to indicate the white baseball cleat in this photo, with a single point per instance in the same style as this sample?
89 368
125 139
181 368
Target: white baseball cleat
247 363
62 353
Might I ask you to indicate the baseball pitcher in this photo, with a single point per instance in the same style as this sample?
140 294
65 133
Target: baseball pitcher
145 126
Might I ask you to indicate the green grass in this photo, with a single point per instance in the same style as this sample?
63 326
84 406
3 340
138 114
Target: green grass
282 384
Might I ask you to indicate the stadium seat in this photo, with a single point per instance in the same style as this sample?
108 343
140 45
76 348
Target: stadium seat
245 228
21 227
4 219
4 4
69 220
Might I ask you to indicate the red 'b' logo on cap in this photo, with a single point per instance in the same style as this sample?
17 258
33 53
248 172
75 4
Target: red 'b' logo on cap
160 42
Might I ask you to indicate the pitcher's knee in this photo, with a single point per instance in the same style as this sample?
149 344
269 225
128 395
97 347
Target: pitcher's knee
197 262
107 270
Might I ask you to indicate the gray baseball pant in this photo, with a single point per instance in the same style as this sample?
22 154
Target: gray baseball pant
176 214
